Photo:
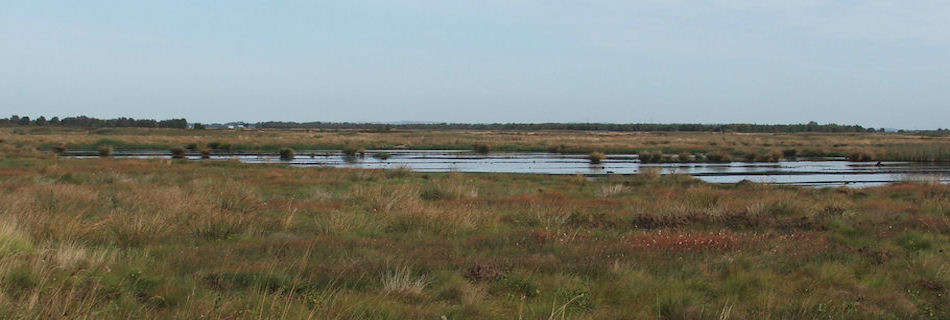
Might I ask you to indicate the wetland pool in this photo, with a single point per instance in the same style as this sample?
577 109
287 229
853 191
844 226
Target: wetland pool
817 173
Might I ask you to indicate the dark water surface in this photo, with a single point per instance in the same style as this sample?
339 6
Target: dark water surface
825 172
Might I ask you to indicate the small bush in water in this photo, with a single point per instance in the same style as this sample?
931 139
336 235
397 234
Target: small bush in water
481 148
596 157
287 154
178 152
351 150
105 151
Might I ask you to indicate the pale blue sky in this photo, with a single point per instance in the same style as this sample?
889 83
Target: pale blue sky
881 63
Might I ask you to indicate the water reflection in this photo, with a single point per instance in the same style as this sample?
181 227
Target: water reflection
811 173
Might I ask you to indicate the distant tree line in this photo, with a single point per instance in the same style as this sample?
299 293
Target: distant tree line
89 122
735 127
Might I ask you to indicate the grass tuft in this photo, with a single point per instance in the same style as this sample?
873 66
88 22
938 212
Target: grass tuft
402 281
596 157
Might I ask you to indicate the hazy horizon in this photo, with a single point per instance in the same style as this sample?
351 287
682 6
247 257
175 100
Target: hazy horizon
873 63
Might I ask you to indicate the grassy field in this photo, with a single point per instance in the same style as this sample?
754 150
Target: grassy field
738 146
111 238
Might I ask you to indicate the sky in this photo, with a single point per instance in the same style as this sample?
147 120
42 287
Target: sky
877 63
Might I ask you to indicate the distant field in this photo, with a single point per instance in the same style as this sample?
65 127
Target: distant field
739 146
110 238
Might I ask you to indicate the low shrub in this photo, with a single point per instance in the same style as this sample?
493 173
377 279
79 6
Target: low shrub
178 152
596 157
719 157
351 150
287 154
684 157
481 148
105 151
650 157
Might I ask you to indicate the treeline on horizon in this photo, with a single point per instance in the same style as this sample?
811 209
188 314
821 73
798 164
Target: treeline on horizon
90 122
182 123
736 127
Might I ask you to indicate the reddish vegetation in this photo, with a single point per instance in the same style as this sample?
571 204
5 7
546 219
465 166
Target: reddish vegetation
685 241
793 244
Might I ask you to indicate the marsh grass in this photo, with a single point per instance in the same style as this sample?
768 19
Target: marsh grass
919 153
898 147
402 281
131 238
12 239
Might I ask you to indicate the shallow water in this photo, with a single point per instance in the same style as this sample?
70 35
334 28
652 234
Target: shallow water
826 172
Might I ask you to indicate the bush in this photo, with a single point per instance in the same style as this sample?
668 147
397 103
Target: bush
205 153
214 145
683 157
59 149
350 150
191 146
650 157
178 152
481 148
105 151
773 156
789 153
381 155
596 157
719 157
287 154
